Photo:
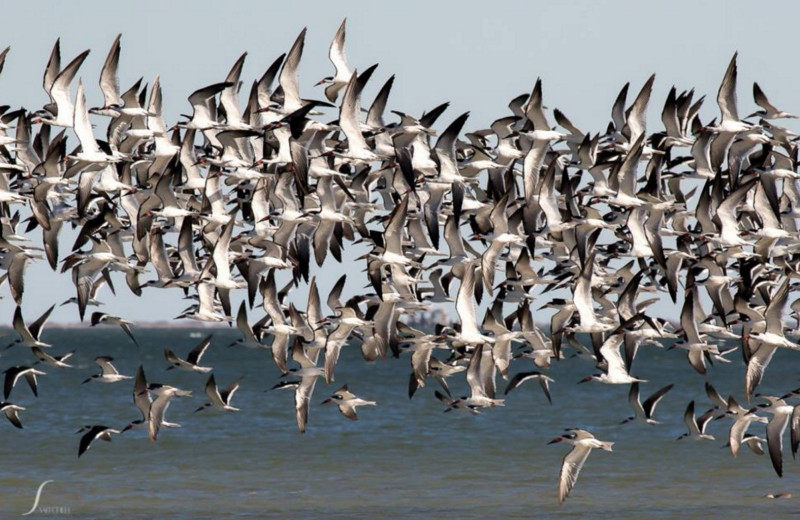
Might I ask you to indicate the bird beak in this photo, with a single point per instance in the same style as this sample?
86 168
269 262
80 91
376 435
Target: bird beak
556 440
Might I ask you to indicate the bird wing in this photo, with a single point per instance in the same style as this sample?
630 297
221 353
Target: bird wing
155 416
465 301
288 76
774 311
141 397
302 395
650 404
757 365
337 55
106 366
570 468
775 429
348 116
726 97
36 327
109 79
197 352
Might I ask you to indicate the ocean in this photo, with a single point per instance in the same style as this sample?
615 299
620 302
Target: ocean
402 458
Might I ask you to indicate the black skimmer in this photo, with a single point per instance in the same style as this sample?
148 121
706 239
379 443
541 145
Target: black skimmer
14 373
782 415
220 399
125 325
93 433
11 412
192 361
582 443
544 382
29 336
697 425
108 373
643 412
347 402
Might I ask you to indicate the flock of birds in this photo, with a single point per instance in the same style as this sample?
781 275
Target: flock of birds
230 197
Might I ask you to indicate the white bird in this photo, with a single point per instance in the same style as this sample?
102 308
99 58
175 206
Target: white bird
582 443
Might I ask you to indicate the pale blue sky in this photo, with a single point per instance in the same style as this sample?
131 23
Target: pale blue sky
477 55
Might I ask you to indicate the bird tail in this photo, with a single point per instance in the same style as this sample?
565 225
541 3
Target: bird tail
606 446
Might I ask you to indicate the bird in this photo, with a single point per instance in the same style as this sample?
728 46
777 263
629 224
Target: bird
56 361
339 60
152 410
220 399
582 443
11 412
643 412
768 110
108 374
102 317
93 433
521 377
192 361
347 402
14 373
697 425
616 373
29 336
742 418
234 197
155 416
60 111
782 415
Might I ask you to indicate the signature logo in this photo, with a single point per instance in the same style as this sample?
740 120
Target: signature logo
45 510
37 497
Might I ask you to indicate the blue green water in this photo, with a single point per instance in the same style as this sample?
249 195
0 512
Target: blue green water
401 459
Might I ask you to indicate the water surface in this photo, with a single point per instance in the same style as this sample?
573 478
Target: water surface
401 459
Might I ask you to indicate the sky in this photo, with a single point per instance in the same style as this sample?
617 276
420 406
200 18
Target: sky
475 55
